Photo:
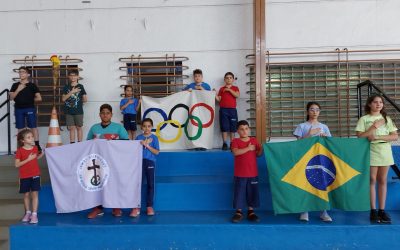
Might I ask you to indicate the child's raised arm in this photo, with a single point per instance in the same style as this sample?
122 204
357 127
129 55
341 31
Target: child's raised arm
237 151
19 163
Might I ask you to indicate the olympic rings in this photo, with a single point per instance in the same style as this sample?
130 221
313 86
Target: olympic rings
164 123
179 105
209 108
199 131
162 113
195 120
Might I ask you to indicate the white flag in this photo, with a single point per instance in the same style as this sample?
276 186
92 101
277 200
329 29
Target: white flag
96 172
183 120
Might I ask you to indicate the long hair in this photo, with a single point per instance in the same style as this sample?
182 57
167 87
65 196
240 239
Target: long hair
21 135
370 99
309 104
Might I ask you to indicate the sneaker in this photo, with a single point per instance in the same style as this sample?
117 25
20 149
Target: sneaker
34 219
324 216
373 216
117 212
224 146
150 211
27 217
95 212
384 217
238 216
251 216
304 216
135 212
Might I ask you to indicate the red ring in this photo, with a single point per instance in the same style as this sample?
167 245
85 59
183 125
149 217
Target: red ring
205 125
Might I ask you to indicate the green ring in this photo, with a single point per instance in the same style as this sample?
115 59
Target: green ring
199 131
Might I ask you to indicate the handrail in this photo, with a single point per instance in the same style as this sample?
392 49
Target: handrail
140 57
371 86
7 101
32 59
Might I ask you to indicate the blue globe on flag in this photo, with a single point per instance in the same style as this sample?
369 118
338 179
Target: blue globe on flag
320 172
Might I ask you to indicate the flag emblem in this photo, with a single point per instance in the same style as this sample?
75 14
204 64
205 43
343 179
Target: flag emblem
319 172
93 172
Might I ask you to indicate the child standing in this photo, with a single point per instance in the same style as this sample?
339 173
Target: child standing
246 194
26 159
228 116
198 83
129 107
109 130
380 130
74 95
312 127
25 94
151 148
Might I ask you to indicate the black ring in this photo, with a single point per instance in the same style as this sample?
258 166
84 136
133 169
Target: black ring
179 105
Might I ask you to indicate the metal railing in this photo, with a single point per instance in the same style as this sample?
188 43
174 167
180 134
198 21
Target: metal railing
370 87
7 115
329 77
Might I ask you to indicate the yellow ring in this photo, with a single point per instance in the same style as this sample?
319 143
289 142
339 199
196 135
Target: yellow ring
158 129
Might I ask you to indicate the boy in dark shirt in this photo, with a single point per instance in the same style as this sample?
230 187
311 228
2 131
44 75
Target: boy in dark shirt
25 94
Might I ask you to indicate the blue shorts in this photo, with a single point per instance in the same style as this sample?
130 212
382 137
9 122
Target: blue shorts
130 122
29 184
245 193
228 119
25 114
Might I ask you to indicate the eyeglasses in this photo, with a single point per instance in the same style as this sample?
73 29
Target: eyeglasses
314 109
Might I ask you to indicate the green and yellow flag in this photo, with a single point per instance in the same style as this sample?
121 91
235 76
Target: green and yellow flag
319 173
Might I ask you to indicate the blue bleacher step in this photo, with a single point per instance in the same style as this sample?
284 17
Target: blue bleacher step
205 230
203 195
210 162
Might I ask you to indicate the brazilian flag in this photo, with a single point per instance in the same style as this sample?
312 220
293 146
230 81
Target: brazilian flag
319 173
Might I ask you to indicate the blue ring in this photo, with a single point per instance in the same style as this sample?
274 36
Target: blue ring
162 113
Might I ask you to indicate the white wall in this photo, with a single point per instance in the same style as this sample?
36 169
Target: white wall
330 24
215 35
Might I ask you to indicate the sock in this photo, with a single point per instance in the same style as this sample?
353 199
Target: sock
34 213
28 212
71 142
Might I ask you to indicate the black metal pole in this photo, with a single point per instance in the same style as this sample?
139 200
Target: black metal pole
359 102
9 123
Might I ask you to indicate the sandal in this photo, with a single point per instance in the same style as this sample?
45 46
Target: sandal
238 216
251 216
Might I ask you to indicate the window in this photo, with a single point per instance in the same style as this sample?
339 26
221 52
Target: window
333 84
154 76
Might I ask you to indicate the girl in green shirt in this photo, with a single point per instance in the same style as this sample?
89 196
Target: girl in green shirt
380 130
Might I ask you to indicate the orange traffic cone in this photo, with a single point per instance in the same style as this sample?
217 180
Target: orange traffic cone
54 138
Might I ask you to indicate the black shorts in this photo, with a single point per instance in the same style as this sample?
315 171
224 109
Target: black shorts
29 184
130 122
246 193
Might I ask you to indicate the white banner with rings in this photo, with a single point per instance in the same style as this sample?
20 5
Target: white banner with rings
184 120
